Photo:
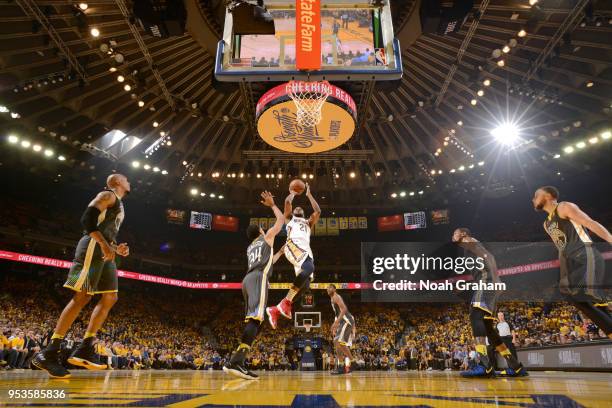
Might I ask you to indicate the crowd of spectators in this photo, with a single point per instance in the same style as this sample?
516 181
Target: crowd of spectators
199 331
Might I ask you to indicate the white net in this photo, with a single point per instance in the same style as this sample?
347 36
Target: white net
309 98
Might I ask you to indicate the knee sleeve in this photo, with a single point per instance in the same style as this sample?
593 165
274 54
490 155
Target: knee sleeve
478 322
250 331
304 276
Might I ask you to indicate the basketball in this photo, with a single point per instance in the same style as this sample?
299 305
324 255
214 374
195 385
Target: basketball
297 185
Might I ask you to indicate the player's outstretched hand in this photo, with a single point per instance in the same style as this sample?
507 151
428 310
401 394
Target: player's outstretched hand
123 249
307 189
267 199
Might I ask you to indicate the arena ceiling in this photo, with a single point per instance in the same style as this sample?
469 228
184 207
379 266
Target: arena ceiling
415 135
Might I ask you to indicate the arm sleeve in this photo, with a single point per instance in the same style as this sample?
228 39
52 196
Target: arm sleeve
89 219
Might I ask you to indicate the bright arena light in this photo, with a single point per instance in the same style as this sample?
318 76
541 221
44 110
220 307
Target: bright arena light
136 164
506 133
12 139
606 135
194 191
25 144
581 145
568 149
61 158
37 148
48 153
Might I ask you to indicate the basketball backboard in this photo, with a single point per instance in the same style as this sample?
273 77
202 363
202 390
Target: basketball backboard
356 43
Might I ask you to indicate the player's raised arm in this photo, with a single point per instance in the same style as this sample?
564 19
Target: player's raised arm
575 214
277 255
89 221
289 205
314 217
267 199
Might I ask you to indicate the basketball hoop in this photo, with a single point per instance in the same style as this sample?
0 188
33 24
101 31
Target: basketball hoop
309 98
307 327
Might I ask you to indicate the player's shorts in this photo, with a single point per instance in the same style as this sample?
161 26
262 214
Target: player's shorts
89 272
344 333
297 256
582 276
255 292
485 300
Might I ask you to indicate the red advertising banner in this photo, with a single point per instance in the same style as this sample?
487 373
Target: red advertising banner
58 263
225 223
390 223
308 34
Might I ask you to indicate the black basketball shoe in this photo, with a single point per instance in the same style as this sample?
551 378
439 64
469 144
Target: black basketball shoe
239 371
49 361
85 356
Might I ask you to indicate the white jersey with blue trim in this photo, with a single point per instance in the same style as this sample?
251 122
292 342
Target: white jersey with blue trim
298 232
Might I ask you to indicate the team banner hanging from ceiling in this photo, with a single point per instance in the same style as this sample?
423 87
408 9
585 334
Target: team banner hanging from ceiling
320 228
308 34
332 226
439 217
390 223
325 225
362 222
174 216
224 223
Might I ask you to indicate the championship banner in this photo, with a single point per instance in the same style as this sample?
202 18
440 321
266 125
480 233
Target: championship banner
390 223
321 227
352 224
362 222
263 223
308 34
253 221
271 222
343 223
224 223
332 226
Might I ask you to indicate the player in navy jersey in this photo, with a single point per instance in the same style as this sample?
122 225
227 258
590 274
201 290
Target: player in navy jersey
255 286
582 277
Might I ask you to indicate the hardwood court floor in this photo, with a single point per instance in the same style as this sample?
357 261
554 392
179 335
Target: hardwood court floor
320 390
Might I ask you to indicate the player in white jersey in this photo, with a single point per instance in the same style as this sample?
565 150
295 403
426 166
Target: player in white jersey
297 251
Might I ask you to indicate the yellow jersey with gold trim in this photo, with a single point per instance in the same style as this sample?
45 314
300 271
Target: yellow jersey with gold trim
567 235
